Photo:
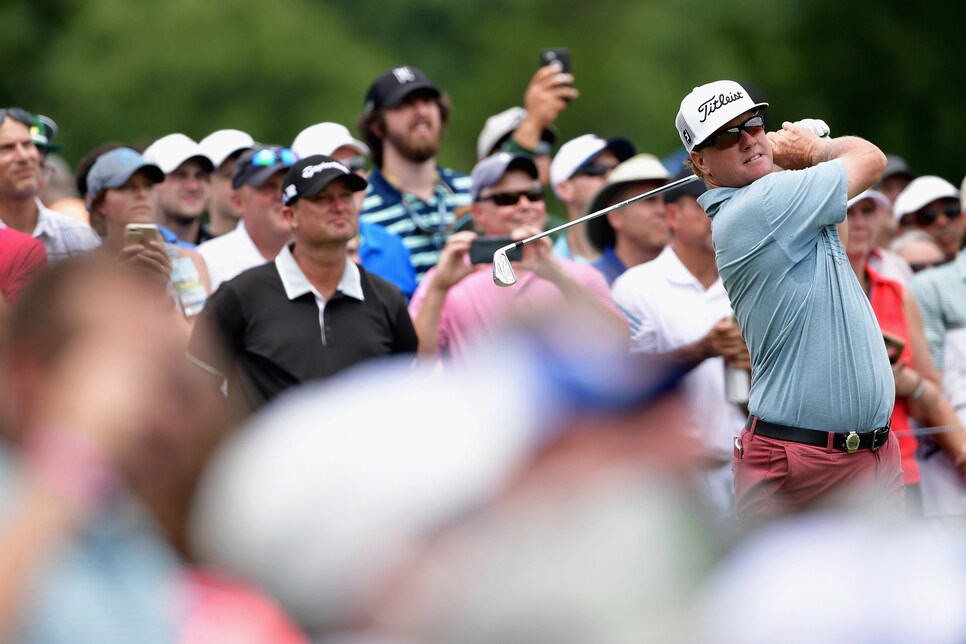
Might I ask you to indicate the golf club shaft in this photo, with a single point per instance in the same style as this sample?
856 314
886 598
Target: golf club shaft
604 211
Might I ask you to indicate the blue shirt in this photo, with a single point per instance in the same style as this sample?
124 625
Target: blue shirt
171 238
610 265
818 359
384 254
423 225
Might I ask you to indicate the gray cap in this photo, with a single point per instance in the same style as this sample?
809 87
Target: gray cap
895 164
490 170
114 168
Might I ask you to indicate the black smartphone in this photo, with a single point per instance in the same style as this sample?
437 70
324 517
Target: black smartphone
482 249
562 54
894 347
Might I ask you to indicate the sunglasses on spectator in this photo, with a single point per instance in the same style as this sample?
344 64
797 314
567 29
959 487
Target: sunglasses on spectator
513 198
594 170
354 164
17 114
724 139
924 265
928 216
268 157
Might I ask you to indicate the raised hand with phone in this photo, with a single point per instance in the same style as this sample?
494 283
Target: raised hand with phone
547 95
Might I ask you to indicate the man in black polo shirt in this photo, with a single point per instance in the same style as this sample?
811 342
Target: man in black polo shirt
309 314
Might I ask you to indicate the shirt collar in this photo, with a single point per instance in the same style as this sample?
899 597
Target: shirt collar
296 284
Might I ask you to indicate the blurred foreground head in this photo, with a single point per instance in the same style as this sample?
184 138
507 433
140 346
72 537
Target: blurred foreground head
101 351
335 495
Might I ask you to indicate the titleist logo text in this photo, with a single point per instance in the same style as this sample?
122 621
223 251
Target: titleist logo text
708 108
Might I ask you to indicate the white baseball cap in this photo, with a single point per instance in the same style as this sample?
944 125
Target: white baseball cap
709 107
876 196
922 191
326 138
172 150
221 144
577 152
502 125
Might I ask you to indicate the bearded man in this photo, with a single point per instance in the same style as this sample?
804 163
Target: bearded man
403 122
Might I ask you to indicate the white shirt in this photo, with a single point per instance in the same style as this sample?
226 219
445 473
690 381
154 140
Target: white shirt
667 308
231 254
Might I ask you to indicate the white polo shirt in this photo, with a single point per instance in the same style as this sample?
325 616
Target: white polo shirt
230 254
667 308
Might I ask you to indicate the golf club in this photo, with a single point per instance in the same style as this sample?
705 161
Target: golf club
503 272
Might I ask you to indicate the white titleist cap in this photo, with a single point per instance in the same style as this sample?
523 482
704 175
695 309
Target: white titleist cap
709 107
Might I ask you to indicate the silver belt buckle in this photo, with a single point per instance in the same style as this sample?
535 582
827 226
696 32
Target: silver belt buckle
852 442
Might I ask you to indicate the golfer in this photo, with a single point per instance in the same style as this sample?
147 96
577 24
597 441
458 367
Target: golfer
822 387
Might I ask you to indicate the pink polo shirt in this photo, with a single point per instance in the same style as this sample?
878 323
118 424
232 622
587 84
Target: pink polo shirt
476 305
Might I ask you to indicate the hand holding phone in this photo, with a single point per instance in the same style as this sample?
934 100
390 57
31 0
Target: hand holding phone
894 347
141 234
559 54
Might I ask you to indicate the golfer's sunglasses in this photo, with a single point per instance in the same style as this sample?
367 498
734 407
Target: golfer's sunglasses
724 139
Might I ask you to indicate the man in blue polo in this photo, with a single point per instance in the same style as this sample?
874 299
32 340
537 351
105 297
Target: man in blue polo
403 122
822 388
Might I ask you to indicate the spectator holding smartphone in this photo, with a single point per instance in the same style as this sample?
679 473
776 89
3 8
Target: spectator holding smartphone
120 188
457 300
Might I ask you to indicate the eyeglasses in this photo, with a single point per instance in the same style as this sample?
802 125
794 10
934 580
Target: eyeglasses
593 170
513 198
928 216
724 139
269 156
924 265
17 114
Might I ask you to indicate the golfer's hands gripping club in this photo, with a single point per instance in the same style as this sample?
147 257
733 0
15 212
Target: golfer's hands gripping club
797 145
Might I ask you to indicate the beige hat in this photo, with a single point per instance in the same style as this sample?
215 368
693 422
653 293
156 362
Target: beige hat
642 167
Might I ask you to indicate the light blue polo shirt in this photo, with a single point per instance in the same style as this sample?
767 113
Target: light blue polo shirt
818 359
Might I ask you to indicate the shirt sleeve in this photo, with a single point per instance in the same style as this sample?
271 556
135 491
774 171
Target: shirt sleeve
27 260
640 320
405 340
218 332
798 204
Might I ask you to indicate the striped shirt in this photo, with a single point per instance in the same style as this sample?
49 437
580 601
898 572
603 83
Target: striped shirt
62 236
941 295
423 225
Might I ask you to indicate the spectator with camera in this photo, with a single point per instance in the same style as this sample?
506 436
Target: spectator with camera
457 299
